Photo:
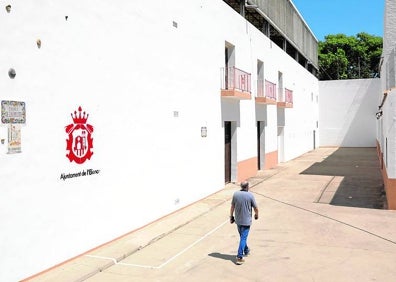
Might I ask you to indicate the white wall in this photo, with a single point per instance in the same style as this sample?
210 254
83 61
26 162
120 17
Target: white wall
302 120
131 70
347 112
387 134
386 95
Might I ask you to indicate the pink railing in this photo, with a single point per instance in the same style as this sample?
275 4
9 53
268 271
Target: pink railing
233 78
270 90
288 96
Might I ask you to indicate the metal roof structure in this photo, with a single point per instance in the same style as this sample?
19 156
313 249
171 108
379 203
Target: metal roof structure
284 25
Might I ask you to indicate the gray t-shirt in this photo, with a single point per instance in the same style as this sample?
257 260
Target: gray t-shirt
243 202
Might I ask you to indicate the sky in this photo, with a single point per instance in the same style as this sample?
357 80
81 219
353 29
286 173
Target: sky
349 17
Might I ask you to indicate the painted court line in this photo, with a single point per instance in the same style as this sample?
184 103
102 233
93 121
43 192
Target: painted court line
170 259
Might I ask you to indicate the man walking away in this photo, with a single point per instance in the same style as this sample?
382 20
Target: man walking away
242 203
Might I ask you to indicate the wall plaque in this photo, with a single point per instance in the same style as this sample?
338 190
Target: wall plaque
13 112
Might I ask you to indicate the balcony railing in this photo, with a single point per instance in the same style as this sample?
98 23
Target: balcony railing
235 83
287 101
288 96
269 95
270 90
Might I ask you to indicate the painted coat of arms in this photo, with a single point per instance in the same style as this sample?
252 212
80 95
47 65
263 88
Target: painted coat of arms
80 142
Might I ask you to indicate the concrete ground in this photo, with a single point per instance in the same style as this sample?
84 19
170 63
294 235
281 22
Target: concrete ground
321 219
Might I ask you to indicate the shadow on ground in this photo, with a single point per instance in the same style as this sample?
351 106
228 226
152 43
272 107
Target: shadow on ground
231 258
361 185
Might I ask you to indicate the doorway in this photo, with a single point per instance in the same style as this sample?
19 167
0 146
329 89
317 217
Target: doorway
229 63
260 145
227 151
314 139
281 147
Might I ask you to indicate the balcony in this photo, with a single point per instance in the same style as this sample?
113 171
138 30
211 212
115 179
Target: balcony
235 83
287 102
269 95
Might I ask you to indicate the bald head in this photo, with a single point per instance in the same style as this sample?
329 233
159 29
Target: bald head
245 185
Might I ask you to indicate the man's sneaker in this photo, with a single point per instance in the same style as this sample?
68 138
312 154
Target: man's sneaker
239 261
247 254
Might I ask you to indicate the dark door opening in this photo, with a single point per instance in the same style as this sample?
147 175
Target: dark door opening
258 145
314 139
227 151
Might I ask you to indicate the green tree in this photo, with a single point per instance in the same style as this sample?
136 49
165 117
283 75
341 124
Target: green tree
349 57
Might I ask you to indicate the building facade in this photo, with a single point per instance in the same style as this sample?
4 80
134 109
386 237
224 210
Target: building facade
116 114
386 129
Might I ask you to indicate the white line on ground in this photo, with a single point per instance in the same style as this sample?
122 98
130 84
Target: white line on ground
170 259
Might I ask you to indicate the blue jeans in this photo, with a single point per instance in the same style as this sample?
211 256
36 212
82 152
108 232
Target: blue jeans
243 234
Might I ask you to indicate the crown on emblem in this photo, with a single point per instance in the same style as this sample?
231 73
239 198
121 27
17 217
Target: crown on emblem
80 117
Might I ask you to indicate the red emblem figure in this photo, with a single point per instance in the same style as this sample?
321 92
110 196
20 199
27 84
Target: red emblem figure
80 142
